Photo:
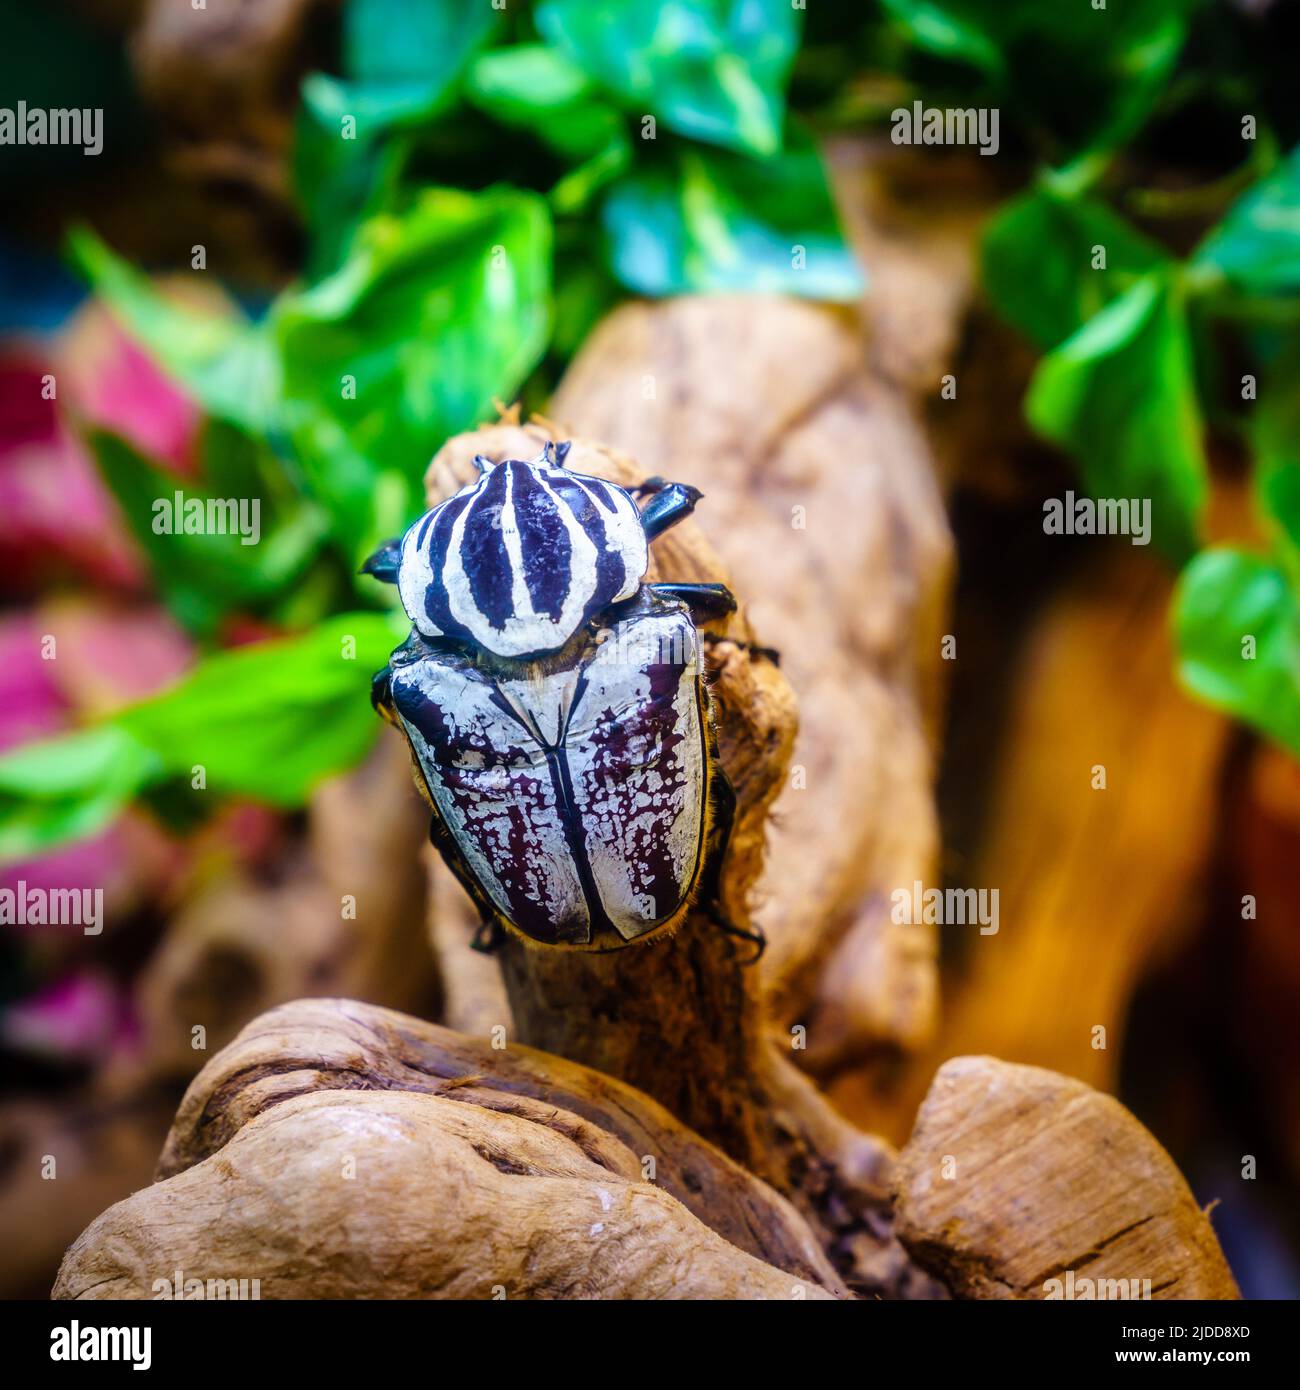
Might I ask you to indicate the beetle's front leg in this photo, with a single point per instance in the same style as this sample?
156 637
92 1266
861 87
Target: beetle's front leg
381 695
706 601
488 937
384 563
669 503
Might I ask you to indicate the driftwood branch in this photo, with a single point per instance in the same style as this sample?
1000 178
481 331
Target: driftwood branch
338 1149
821 499
1016 1177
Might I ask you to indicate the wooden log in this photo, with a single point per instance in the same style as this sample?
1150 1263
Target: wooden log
822 503
752 1151
478 1167
1018 1183
680 1020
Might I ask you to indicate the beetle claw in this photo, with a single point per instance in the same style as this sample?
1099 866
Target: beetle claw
488 937
385 562
756 936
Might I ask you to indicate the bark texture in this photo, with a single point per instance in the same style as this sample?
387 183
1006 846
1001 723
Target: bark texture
336 1149
1015 1176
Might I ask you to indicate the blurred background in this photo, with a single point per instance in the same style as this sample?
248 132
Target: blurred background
323 235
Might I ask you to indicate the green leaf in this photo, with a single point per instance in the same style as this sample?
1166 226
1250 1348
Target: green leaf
223 361
396 41
266 721
712 69
578 187
1257 244
67 788
1225 596
970 33
1039 254
401 62
436 311
201 574
1120 394
271 720
708 221
1090 76
1279 488
1274 433
338 182
535 88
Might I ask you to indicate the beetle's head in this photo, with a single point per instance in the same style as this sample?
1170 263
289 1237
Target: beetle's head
518 560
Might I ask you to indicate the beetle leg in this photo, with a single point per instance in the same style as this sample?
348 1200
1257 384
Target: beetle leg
670 503
704 600
756 935
383 564
488 937
381 698
724 817
768 653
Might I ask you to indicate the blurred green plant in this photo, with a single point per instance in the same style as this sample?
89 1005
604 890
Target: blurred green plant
1147 343
454 178
266 721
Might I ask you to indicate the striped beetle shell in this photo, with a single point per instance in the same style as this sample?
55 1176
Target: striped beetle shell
555 705
518 561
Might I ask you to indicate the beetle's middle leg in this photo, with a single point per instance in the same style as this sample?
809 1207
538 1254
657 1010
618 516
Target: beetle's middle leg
488 936
381 694
706 601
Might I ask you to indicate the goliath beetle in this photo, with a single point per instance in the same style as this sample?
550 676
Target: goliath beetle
555 705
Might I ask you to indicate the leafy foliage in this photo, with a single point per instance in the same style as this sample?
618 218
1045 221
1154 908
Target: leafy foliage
1225 599
1257 245
1132 362
434 311
268 721
711 69
1136 332
1090 76
1041 261
714 222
